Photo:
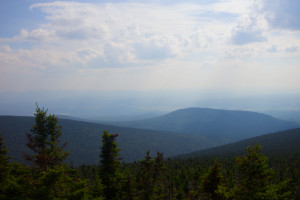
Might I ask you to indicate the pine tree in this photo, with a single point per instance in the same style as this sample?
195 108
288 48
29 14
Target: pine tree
145 176
20 184
4 167
96 191
159 169
129 187
52 179
211 181
44 141
15 179
109 171
254 174
253 179
151 183
4 161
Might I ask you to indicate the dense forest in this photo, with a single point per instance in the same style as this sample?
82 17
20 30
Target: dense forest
214 124
250 175
84 140
179 132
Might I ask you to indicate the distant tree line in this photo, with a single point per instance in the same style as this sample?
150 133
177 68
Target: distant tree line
46 175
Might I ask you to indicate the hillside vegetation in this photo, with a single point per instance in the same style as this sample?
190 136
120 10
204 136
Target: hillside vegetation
84 140
283 143
179 132
219 125
216 173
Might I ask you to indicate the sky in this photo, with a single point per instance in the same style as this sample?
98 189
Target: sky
173 53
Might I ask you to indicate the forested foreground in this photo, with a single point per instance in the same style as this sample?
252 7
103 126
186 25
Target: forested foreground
47 176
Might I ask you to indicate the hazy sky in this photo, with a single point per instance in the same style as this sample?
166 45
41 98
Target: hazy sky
238 46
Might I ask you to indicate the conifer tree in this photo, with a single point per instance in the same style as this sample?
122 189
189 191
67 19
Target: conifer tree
4 167
52 179
211 181
96 191
14 178
145 182
253 179
129 187
151 179
44 141
4 161
158 179
110 166
254 174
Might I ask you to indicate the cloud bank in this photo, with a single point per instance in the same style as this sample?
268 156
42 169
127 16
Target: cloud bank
217 45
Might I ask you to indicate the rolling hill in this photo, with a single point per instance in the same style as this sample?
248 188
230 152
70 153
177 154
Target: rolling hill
273 144
179 132
219 125
84 140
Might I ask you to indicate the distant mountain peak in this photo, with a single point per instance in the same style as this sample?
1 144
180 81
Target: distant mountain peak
219 124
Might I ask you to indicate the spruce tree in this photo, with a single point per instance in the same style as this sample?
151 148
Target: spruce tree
146 178
254 174
253 179
151 182
4 167
44 141
15 179
4 161
159 170
52 178
109 171
211 180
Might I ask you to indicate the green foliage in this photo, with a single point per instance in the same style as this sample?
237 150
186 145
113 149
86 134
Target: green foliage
109 167
15 182
59 183
211 180
19 185
129 187
253 178
150 177
52 179
84 139
145 178
4 163
44 141
254 174
97 189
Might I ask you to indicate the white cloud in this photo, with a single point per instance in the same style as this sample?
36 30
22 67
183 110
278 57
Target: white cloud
250 27
244 37
291 49
148 46
272 49
145 31
282 14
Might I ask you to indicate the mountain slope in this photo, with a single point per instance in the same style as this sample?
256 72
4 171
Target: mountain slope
279 143
224 125
84 140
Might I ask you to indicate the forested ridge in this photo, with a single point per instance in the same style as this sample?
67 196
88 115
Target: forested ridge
249 176
179 132
84 140
278 143
215 124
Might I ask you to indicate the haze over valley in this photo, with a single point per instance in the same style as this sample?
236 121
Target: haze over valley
207 73
147 99
179 132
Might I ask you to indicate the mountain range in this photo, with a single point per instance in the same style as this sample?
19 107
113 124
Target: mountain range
178 132
220 125
277 144
84 140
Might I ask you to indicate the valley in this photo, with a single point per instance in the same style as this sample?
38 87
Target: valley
179 132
